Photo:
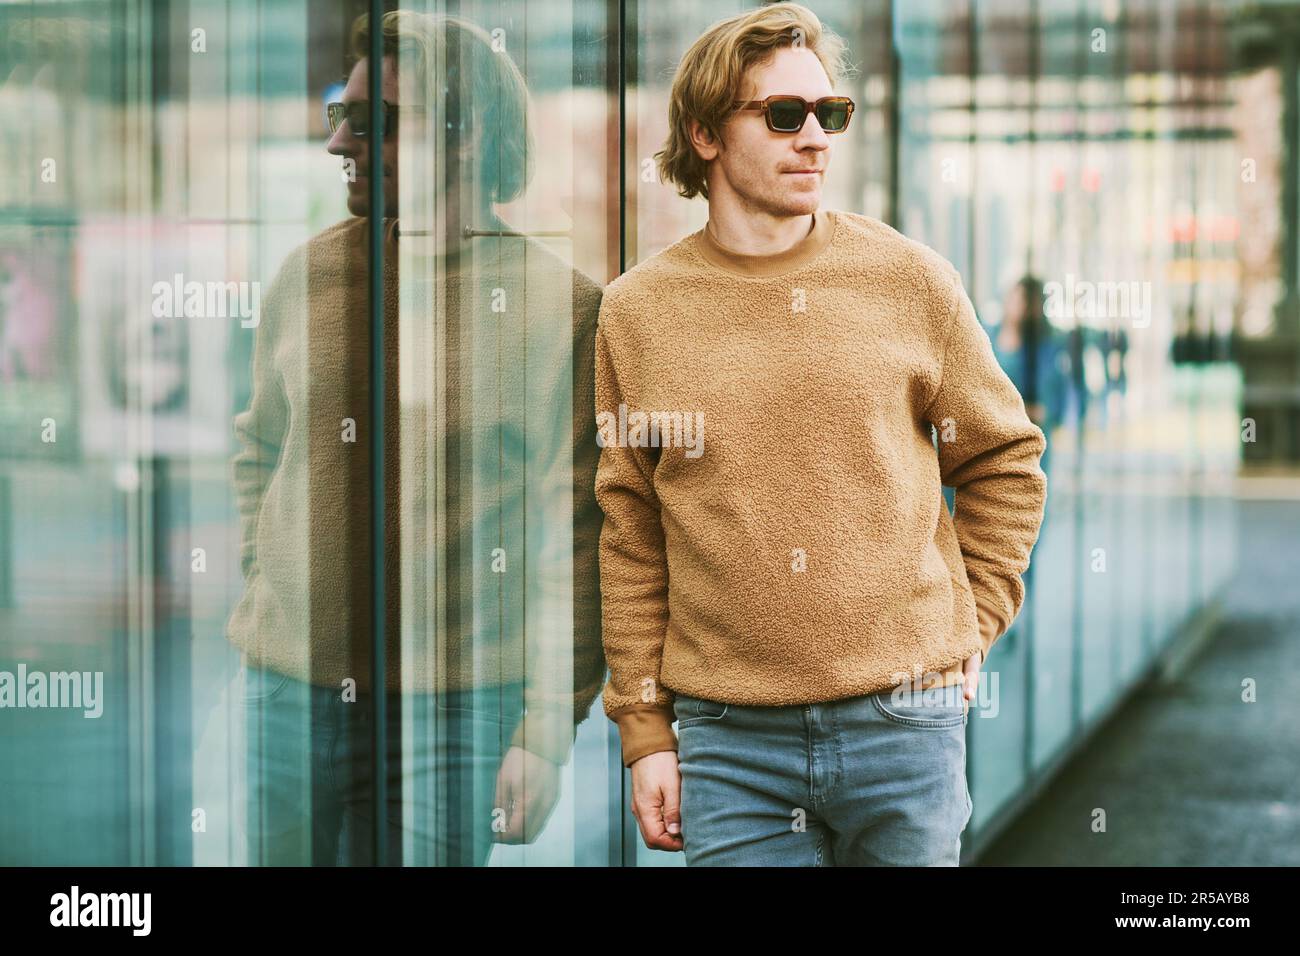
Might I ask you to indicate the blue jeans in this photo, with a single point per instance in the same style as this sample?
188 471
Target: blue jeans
875 780
309 785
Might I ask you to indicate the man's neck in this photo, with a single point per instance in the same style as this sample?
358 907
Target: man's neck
800 252
757 234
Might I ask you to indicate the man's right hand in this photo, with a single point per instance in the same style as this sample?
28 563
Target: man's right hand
656 800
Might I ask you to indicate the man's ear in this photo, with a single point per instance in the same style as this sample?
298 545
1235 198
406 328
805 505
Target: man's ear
706 145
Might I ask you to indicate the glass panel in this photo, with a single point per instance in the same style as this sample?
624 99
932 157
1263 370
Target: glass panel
500 654
1008 206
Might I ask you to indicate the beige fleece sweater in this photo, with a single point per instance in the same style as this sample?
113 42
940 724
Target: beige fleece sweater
491 518
775 531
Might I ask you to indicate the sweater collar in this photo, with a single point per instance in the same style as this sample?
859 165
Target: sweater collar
803 251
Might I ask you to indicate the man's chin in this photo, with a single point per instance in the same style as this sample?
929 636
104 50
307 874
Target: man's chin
803 203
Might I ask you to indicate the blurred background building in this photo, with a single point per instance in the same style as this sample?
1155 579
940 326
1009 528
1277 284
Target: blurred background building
1139 162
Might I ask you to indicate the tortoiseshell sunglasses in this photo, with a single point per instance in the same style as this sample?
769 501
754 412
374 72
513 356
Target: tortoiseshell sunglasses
787 114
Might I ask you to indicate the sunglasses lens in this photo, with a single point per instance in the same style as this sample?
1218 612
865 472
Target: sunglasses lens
834 115
357 114
359 117
786 115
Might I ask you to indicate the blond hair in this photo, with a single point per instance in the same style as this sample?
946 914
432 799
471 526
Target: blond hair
463 77
710 76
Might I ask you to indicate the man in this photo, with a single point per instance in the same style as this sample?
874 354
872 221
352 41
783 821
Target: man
787 582
491 519
1035 354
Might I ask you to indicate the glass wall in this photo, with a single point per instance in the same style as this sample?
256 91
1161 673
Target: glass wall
214 353
1080 150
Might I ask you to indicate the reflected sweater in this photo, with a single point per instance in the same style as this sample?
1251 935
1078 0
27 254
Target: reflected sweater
788 541
491 522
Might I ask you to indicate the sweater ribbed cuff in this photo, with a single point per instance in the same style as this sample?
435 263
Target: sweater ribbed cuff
645 729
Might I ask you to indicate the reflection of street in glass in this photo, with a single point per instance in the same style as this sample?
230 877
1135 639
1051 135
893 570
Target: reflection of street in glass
27 323
145 363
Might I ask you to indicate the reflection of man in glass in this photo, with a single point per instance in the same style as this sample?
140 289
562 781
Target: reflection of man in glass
493 647
797 598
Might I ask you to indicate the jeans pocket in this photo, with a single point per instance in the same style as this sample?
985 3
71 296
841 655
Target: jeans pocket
934 708
696 710
261 684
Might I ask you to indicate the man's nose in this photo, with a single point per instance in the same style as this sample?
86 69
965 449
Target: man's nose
342 142
811 135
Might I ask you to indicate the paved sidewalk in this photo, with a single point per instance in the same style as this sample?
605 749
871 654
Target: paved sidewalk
1188 774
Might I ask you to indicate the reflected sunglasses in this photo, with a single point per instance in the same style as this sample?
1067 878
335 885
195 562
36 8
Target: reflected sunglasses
357 113
787 114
